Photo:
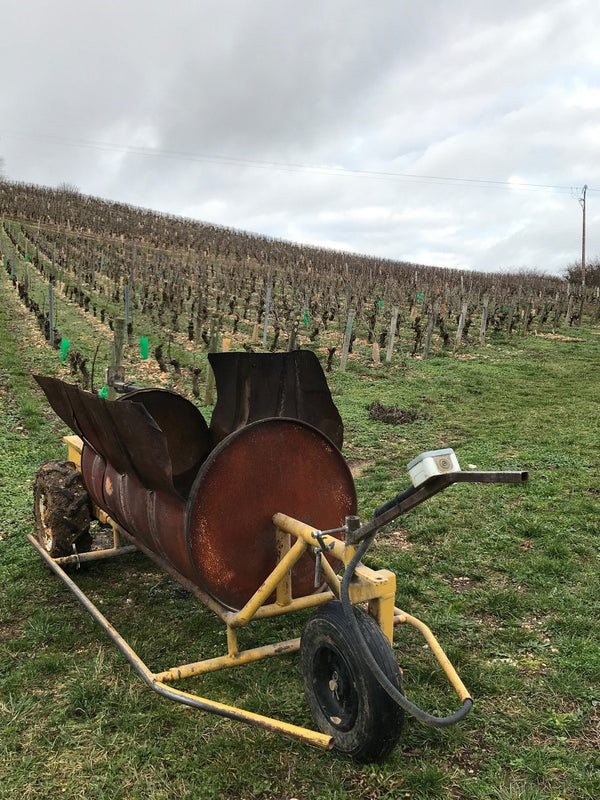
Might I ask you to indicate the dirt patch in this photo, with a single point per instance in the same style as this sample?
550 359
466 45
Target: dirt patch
395 539
9 632
559 338
358 467
391 415
462 583
102 536
466 762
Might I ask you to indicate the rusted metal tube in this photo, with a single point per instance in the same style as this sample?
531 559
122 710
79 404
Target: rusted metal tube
228 556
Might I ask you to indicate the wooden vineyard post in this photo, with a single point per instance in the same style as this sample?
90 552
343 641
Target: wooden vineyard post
115 371
51 314
484 317
557 310
392 335
581 305
347 337
209 393
461 325
293 334
596 314
430 326
127 311
131 281
510 317
267 308
527 318
569 314
376 354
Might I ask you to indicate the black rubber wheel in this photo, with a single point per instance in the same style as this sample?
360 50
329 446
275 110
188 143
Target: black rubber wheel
61 509
346 700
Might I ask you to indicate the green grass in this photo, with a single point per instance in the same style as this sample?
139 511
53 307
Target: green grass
506 576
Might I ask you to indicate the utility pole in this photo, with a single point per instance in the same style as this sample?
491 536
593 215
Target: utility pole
582 203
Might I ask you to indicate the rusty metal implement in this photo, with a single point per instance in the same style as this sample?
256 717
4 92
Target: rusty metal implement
150 463
255 515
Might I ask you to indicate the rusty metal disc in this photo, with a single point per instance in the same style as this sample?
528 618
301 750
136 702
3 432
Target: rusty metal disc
274 465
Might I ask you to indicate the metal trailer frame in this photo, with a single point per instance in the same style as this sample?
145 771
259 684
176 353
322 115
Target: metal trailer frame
375 588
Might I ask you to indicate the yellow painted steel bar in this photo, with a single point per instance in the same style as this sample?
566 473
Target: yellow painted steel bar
267 723
296 604
244 615
96 555
225 614
377 587
284 587
232 641
331 578
231 712
443 660
303 531
222 662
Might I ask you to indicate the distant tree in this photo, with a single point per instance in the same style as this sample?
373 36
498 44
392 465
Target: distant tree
572 273
68 188
1 169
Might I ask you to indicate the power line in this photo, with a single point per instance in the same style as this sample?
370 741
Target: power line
294 167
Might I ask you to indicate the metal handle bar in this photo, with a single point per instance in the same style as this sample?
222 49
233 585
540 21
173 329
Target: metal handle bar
365 534
413 496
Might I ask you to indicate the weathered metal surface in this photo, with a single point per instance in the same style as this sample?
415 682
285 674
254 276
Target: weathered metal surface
188 438
253 386
272 465
156 519
130 438
147 461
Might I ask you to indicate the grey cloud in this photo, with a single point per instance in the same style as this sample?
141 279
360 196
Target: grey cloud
125 99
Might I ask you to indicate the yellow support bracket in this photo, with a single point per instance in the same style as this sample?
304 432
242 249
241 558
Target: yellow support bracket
377 588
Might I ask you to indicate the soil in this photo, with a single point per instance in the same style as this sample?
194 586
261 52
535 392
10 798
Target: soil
392 415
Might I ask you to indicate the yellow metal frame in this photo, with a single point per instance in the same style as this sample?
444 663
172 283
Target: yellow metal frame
375 588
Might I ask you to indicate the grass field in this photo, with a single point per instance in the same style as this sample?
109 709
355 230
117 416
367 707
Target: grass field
507 577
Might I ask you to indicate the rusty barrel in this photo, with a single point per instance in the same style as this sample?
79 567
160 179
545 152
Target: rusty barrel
202 500
265 467
221 537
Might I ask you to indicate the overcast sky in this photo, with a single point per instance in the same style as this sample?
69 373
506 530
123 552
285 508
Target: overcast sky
454 133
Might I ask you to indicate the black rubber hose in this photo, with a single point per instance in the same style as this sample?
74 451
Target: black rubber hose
395 501
371 663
